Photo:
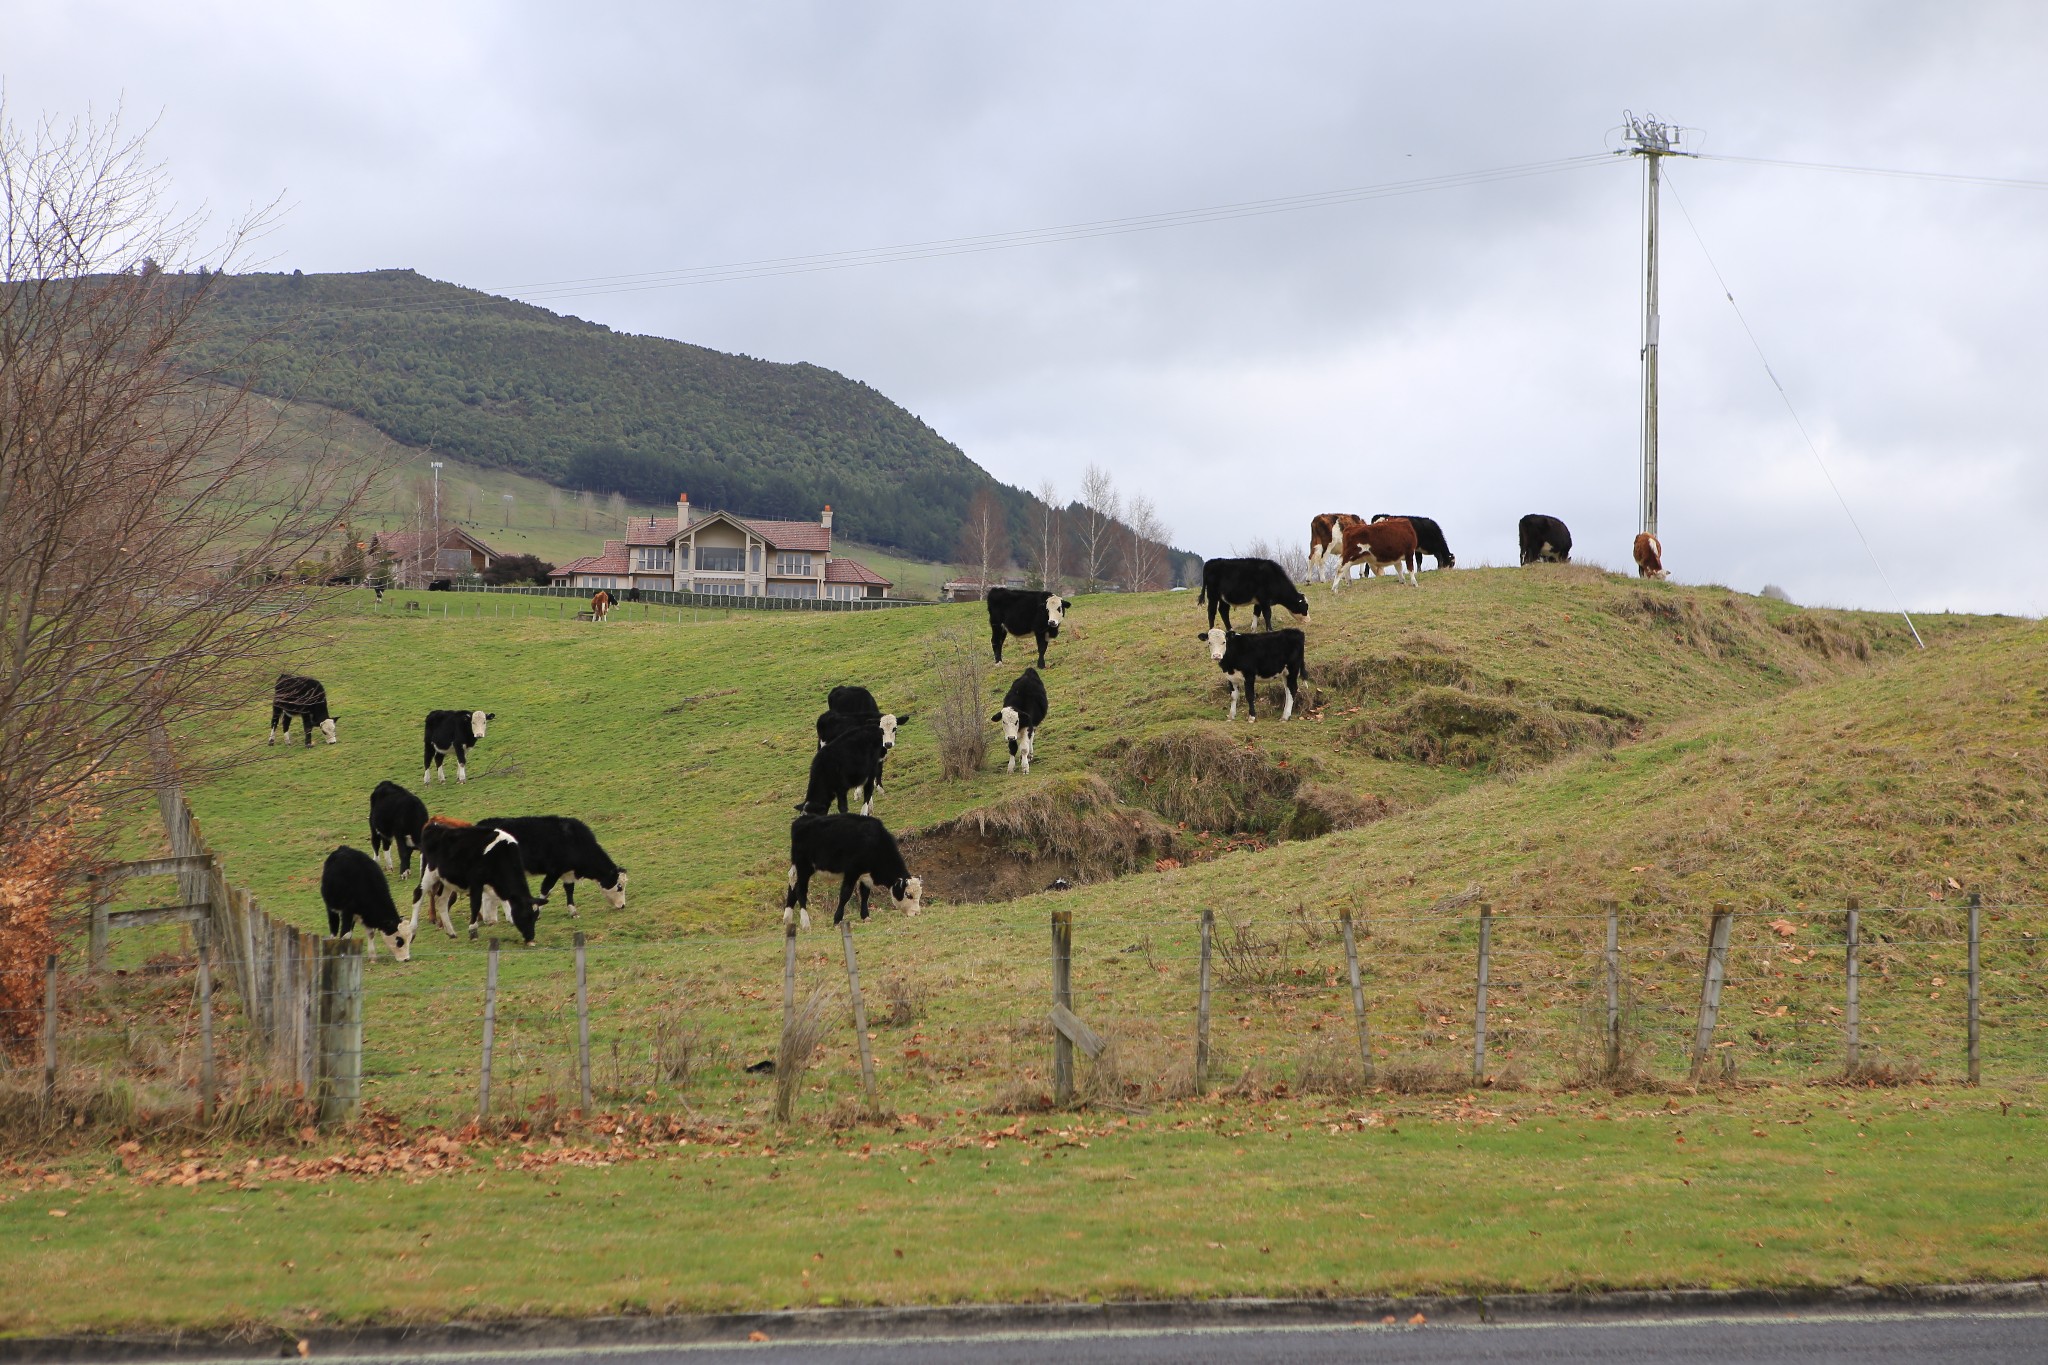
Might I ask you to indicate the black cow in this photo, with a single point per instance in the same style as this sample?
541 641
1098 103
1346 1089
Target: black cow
560 848
1245 659
304 698
1261 582
353 888
850 708
456 731
1545 538
456 857
441 585
1429 539
854 759
1023 712
1024 611
396 818
861 851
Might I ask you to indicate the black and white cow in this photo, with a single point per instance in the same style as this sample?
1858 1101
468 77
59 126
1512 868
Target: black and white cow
861 851
1545 538
851 708
458 858
456 732
1024 611
854 759
1429 538
353 888
561 848
304 698
396 818
1023 712
1260 582
1245 659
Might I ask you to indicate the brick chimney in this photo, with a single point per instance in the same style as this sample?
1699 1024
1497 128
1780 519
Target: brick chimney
826 520
682 511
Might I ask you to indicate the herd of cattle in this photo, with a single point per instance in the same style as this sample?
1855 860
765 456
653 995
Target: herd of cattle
490 860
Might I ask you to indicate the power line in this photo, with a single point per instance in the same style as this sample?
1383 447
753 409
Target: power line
1786 398
1945 177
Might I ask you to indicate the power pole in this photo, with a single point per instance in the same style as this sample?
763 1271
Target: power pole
1652 141
437 514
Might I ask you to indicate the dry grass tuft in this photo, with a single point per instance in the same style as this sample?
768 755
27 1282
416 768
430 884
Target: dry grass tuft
1330 1066
1420 1076
801 1034
1208 781
960 720
903 1001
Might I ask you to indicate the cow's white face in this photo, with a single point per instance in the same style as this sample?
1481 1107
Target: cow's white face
400 943
478 723
327 729
1054 607
908 895
1011 723
889 724
1215 636
616 893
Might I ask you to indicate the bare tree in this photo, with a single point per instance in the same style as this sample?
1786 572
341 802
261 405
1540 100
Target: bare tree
984 547
960 719
554 507
1096 532
1145 554
149 510
615 512
1046 537
1290 557
586 506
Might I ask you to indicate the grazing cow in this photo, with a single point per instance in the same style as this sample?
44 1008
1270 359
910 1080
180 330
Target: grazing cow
849 708
457 732
1023 712
600 605
1379 546
441 585
560 848
1429 539
1649 556
853 759
353 888
1261 582
1545 538
1324 531
1245 659
396 818
455 858
1024 611
304 698
861 851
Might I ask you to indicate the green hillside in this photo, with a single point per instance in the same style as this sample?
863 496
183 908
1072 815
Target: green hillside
507 386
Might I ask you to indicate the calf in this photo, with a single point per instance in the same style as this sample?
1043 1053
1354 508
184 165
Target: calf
1649 556
560 848
353 888
1023 712
456 857
304 698
1324 531
1379 545
396 818
1261 582
441 585
600 605
1245 659
1024 611
853 759
1545 538
861 851
455 731
1429 539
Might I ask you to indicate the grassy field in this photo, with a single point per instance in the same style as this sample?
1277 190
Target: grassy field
1534 740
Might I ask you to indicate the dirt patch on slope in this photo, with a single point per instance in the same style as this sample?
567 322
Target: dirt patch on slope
1073 828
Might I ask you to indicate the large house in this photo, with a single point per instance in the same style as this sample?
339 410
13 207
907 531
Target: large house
417 558
721 555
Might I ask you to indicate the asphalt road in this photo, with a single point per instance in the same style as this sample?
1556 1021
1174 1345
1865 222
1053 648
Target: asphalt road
1960 1338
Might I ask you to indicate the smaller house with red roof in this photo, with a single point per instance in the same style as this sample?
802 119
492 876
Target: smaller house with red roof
718 554
418 557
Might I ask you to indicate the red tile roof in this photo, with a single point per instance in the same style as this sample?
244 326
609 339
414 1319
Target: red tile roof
403 544
792 535
853 571
613 560
650 530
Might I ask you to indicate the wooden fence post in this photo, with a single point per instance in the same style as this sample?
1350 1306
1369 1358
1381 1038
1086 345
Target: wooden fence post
307 1021
96 954
50 1031
1062 997
1613 974
1202 1004
341 1032
1710 987
204 935
1357 994
1479 1009
860 1018
483 1093
582 1022
1976 908
1852 1022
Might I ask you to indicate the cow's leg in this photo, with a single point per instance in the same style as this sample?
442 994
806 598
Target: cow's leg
1251 698
402 848
1287 705
1025 747
867 797
1234 679
799 895
1041 646
476 907
847 883
461 764
995 639
306 724
274 709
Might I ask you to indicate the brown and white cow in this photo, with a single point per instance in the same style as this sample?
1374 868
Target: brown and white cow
600 605
1324 531
1649 556
1380 545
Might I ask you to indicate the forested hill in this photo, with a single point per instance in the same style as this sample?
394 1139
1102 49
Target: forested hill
508 385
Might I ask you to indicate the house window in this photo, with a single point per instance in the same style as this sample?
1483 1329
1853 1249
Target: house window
757 557
721 559
605 581
793 566
717 587
653 559
457 561
841 592
792 589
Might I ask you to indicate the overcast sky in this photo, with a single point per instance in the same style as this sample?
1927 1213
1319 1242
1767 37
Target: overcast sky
1468 353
